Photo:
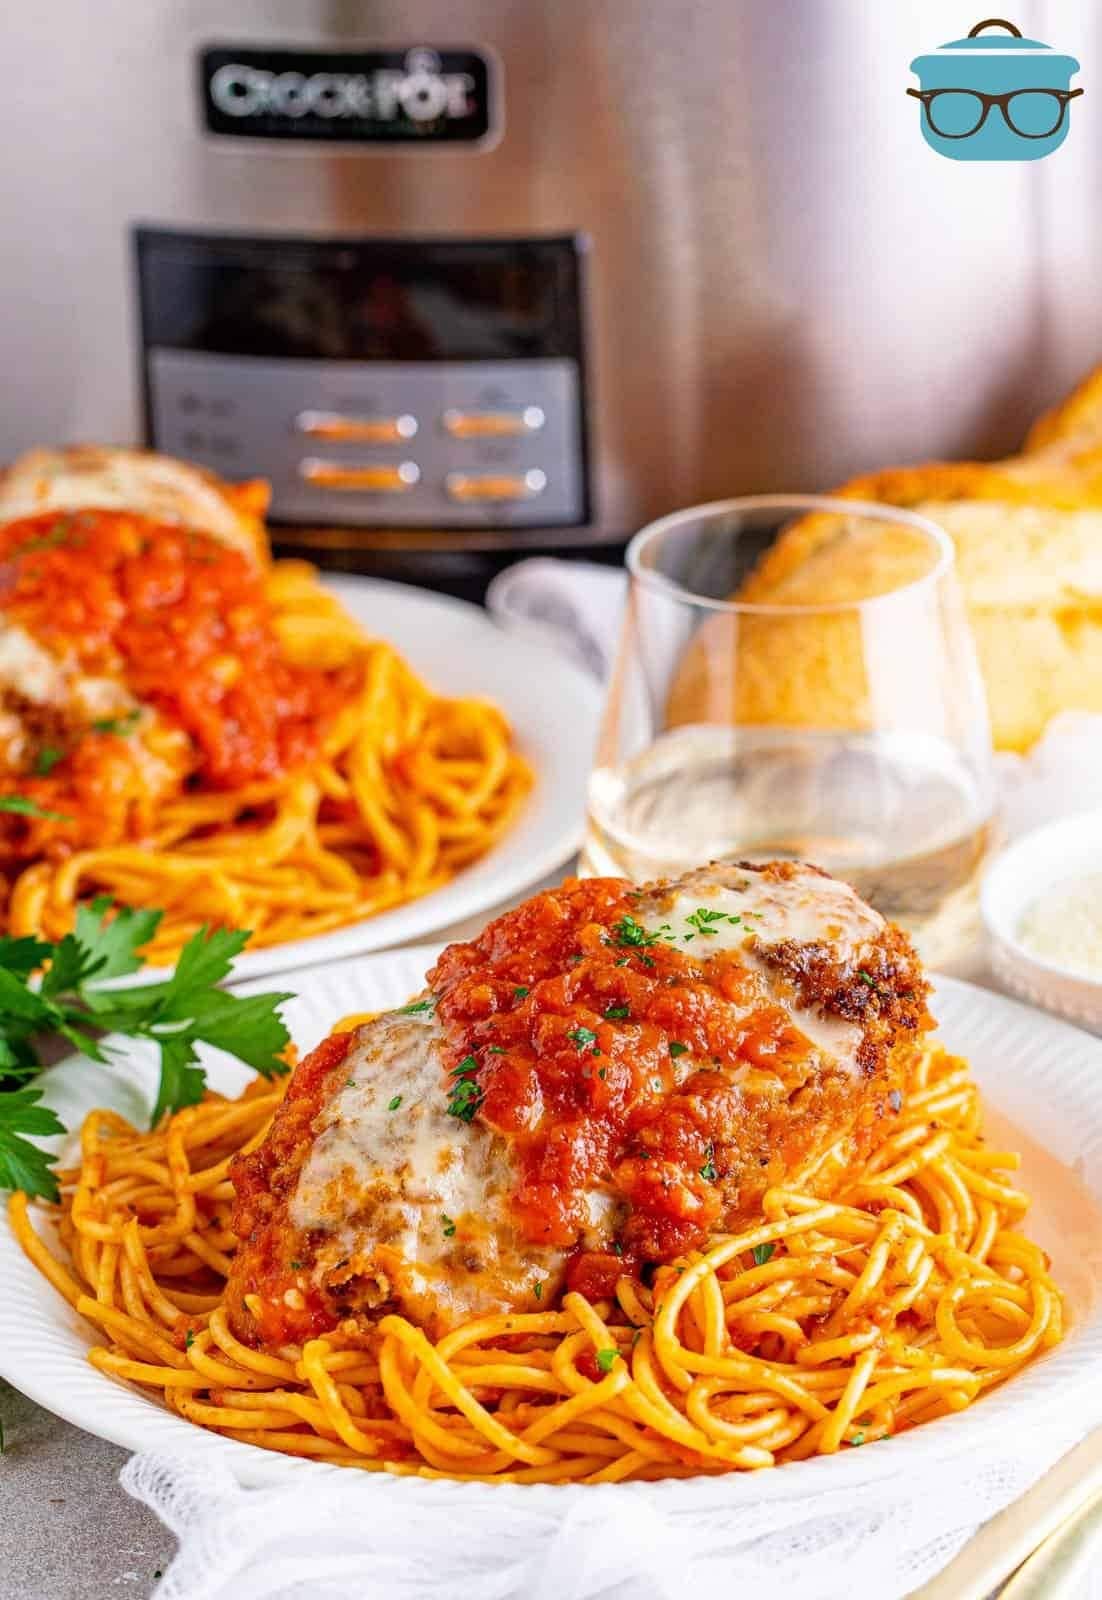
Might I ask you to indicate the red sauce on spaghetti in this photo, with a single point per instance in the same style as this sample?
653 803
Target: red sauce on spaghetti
572 1031
183 621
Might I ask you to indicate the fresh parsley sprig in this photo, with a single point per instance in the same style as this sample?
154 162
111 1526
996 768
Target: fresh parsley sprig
70 999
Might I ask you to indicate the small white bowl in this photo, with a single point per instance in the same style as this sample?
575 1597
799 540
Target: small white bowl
1044 859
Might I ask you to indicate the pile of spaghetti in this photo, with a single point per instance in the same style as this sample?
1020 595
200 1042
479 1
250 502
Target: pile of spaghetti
186 726
827 1325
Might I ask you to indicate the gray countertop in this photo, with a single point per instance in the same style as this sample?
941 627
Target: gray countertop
67 1530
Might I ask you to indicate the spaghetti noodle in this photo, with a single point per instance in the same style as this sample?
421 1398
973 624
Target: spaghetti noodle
823 1326
263 764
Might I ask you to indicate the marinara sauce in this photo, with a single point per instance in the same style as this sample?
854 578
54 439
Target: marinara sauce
183 621
565 1026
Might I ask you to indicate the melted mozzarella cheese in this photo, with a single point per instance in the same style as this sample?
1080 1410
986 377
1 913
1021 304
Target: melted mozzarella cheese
746 911
29 670
410 1194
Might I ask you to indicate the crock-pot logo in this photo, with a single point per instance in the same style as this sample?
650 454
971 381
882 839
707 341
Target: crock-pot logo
995 96
376 96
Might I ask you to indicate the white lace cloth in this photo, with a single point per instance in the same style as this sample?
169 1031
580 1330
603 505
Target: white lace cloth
347 1536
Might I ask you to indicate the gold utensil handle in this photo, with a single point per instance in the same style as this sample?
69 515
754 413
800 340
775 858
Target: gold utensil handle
1006 1543
1055 1569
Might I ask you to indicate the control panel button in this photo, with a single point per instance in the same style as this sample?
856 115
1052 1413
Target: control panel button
337 425
496 486
372 478
499 423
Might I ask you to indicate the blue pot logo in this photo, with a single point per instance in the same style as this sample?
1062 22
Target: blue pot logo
995 97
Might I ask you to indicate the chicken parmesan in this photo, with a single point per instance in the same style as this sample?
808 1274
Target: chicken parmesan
598 1083
643 1184
186 726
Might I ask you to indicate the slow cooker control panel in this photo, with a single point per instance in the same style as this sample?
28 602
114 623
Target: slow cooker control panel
374 383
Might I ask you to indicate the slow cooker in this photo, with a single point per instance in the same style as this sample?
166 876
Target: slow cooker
466 278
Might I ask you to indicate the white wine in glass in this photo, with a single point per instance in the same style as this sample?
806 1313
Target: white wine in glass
849 730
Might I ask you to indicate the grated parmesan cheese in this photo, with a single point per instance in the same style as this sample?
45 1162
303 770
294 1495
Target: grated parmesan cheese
1064 927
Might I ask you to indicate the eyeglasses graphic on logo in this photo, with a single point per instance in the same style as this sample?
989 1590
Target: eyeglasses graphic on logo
995 97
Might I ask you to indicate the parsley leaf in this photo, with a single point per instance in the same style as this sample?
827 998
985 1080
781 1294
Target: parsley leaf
606 1359
708 1170
584 1038
677 1048
24 807
418 1008
118 940
614 1013
47 759
449 1225
762 1253
466 1096
182 1079
702 920
394 1103
71 1000
628 932
23 956
520 992
119 725
24 1165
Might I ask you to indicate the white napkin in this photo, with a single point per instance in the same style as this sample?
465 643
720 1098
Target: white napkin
349 1536
573 605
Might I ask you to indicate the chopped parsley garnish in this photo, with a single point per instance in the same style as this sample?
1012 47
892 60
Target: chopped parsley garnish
895 1100
708 1170
629 932
57 535
393 1104
858 1439
602 1073
496 1050
870 982
449 1225
538 1290
574 959
24 807
418 1008
47 759
465 1067
763 1253
677 1048
189 1339
616 1247
584 1039
70 1000
119 725
616 1013
621 961
606 1358
296 1266
703 921
520 992
466 1097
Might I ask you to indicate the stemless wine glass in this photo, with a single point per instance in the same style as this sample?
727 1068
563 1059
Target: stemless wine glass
838 719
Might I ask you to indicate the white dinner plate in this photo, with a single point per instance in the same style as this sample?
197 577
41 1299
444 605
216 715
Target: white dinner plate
1035 1071
554 710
